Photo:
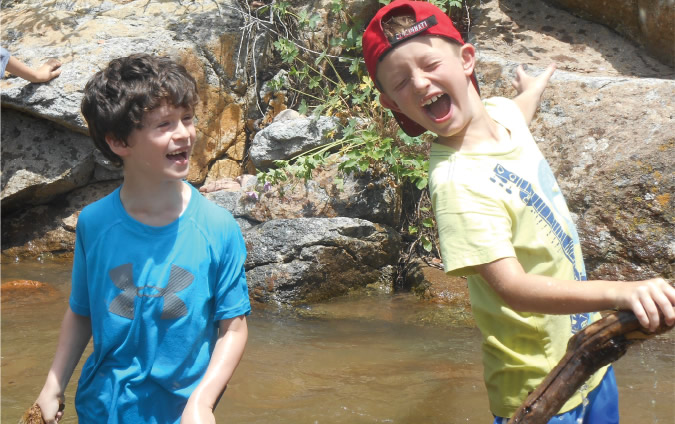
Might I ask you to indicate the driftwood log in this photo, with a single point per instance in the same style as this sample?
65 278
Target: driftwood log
595 346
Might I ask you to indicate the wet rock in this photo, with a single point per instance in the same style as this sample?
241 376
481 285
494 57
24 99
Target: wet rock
292 261
27 290
30 232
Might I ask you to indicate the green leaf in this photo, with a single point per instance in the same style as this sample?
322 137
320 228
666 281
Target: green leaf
426 244
428 222
421 183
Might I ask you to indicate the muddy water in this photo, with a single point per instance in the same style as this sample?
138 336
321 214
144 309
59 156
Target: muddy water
382 359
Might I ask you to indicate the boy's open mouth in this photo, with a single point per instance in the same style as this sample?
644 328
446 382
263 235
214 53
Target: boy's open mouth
438 107
178 156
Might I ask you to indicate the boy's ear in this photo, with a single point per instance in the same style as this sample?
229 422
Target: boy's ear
118 147
468 54
388 103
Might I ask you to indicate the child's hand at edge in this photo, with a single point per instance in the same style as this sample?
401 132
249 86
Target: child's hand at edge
48 70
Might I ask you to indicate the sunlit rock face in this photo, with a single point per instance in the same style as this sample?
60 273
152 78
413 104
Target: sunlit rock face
648 22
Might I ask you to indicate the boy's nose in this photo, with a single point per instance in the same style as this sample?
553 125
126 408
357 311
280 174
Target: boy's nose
420 83
182 131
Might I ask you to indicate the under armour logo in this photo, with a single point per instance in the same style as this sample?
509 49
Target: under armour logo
123 304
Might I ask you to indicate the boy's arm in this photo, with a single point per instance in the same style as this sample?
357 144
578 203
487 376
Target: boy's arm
226 355
530 89
535 293
46 72
73 339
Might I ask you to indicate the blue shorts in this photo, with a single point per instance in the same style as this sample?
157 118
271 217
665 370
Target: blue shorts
603 406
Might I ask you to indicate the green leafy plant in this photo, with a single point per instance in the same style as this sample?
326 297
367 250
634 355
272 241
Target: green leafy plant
335 85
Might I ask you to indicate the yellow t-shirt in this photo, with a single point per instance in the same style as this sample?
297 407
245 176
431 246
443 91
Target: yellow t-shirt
507 203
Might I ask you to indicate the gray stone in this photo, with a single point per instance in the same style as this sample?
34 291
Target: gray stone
292 261
286 139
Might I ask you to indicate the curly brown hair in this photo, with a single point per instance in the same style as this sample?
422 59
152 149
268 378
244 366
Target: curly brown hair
116 98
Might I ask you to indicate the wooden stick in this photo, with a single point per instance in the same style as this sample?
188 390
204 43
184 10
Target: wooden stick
595 346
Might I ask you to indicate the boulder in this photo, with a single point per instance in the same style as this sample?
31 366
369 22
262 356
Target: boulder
604 125
41 160
287 138
293 261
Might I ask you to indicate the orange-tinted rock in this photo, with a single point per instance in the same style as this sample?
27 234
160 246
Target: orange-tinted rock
24 289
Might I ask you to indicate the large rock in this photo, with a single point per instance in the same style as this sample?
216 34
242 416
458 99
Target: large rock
292 261
283 140
41 160
49 229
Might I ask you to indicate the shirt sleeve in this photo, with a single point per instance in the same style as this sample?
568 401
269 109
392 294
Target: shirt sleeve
79 292
232 298
473 230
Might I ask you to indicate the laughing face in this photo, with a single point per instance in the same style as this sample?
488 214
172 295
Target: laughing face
160 149
427 78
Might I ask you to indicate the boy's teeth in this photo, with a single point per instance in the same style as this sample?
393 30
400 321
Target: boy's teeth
431 100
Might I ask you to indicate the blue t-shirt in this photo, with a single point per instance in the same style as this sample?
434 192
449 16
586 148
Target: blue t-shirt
154 296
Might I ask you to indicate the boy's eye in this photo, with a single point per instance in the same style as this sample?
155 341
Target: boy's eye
431 65
400 84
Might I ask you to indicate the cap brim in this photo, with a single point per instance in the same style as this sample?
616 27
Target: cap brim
410 127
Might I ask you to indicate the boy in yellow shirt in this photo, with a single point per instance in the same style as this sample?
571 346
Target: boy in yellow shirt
501 217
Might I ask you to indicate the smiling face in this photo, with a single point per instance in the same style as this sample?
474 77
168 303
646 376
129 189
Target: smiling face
160 149
428 79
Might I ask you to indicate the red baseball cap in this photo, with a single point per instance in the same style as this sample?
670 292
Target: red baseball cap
429 20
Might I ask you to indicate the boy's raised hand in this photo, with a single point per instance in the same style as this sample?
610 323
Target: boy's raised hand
530 89
524 82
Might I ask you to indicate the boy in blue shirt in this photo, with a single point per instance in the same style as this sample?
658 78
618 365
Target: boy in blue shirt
158 275
501 217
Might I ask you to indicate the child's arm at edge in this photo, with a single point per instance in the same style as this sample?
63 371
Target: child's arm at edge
539 294
530 89
227 353
73 338
46 72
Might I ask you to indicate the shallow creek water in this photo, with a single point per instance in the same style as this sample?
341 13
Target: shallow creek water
377 359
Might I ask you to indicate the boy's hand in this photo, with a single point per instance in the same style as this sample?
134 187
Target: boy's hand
646 298
523 82
52 406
